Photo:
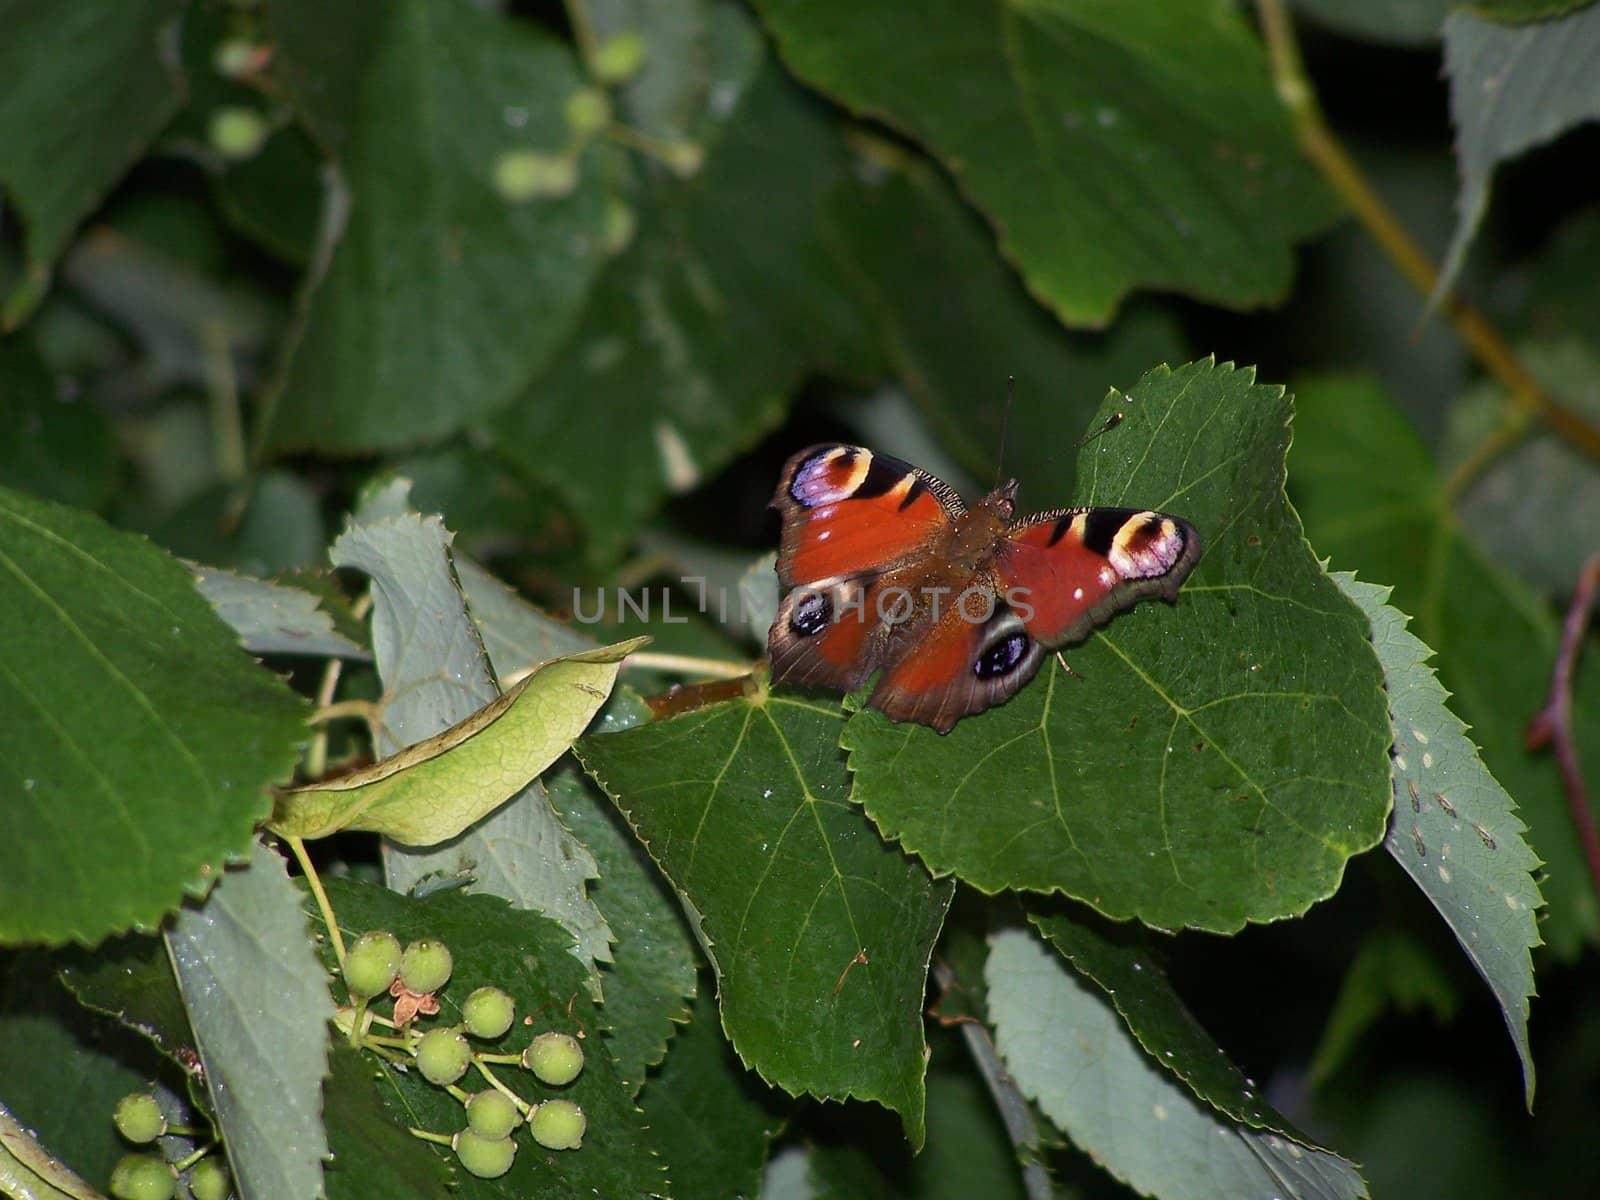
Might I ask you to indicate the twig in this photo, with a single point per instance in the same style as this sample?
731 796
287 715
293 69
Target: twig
677 700
1553 726
1008 1098
314 882
1334 161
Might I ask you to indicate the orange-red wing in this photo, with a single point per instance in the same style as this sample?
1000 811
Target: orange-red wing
960 666
820 637
1066 572
849 512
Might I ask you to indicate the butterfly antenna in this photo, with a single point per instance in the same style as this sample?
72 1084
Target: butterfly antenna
1005 420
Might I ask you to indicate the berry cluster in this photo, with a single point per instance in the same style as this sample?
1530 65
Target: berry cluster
376 966
139 1119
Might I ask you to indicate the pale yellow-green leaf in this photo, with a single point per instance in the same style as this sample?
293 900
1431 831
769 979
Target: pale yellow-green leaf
28 1172
433 790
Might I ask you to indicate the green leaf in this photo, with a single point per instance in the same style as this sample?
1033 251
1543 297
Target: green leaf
422 323
1372 501
956 324
1113 146
259 1005
436 674
1531 509
968 1153
373 1153
530 957
29 1172
1219 760
651 976
515 634
1071 1053
711 1118
697 334
433 790
52 444
133 720
88 86
273 618
1135 985
131 981
819 933
1512 88
1455 831
1514 12
1396 22
1392 970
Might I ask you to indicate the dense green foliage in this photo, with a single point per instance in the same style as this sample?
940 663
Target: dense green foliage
372 375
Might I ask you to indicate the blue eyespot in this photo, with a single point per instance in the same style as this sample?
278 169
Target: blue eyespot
1002 657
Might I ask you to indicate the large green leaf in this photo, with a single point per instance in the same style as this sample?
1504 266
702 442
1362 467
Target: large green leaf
1219 760
1071 1053
273 618
956 324
1402 22
1135 985
711 1118
695 336
1113 145
651 977
134 724
373 1154
1372 501
819 933
1454 829
88 85
442 297
1512 88
259 1005
528 956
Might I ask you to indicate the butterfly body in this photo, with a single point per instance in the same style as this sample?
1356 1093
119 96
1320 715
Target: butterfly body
886 569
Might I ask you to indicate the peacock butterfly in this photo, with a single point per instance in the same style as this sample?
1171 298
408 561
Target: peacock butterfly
884 568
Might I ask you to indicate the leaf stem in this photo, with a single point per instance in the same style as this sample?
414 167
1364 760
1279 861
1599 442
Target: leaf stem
1341 171
314 882
685 664
1008 1098
1553 725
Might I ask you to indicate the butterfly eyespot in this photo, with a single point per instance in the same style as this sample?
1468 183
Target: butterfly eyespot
811 615
1002 657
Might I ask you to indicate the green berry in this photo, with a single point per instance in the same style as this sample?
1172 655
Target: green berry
492 1114
142 1177
588 112
619 57
526 174
236 58
488 1012
556 1058
619 227
558 1125
683 158
425 965
139 1118
372 964
443 1055
209 1180
487 1158
237 133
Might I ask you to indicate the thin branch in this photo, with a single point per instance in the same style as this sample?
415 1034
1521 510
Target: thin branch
1553 726
1334 161
314 882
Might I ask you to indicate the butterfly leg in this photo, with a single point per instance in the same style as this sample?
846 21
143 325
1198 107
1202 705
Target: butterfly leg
1065 666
